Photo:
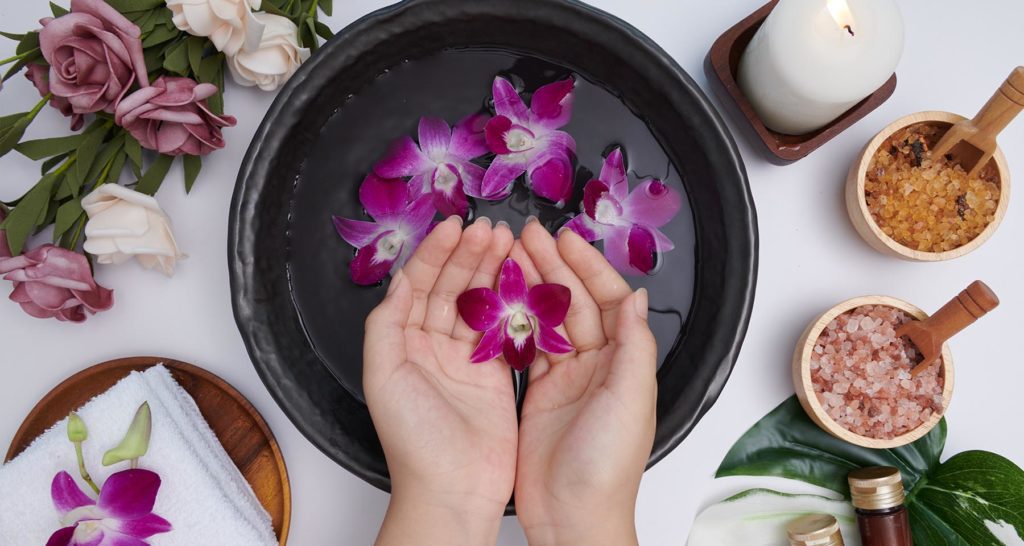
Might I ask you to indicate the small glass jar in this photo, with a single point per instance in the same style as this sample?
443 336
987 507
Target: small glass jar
815 530
877 494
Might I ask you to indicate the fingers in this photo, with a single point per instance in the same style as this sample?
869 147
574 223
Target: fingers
635 362
455 277
533 278
583 321
486 273
384 345
605 285
426 263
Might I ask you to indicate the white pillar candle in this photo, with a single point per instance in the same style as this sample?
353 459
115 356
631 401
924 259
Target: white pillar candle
812 60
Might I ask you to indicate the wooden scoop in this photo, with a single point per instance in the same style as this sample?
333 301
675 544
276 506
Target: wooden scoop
972 142
930 334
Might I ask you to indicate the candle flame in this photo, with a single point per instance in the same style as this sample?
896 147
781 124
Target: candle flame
840 11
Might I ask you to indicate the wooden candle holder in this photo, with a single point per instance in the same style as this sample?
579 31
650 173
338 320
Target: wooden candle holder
722 67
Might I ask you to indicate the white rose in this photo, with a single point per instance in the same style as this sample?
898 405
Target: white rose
229 24
276 59
124 223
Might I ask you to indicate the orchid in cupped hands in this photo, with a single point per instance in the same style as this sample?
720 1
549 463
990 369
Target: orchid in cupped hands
516 321
441 165
400 224
122 516
627 221
527 140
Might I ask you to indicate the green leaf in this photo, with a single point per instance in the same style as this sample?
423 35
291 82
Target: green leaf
307 33
973 499
87 153
128 6
49 147
150 182
193 164
133 149
788 444
115 169
211 70
57 10
8 121
28 43
176 58
968 495
196 48
324 31
22 63
9 138
49 164
23 219
759 517
159 35
12 36
67 215
272 9
326 6
104 159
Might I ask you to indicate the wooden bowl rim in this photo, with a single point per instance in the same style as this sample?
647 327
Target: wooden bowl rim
809 399
858 174
144 363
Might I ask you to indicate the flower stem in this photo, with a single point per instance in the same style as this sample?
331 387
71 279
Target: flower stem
82 469
18 57
78 233
38 107
312 8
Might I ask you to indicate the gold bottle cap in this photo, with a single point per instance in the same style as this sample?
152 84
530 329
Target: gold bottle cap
815 530
876 488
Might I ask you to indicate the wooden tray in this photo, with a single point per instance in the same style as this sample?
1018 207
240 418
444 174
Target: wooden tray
721 66
236 423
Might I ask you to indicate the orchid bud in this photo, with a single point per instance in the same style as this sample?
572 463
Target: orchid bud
136 440
77 432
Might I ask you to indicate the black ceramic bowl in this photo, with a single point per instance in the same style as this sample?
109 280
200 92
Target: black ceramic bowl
299 315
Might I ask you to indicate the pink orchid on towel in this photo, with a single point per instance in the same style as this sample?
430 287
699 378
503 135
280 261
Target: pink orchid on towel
527 140
441 164
122 516
400 225
627 221
516 321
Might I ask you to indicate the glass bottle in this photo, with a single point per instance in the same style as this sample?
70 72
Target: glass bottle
877 494
815 530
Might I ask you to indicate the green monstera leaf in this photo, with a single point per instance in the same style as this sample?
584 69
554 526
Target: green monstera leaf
975 498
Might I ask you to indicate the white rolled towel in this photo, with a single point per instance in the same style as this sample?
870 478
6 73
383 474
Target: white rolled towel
203 495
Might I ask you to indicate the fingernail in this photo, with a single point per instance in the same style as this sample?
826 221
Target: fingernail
458 219
395 280
531 218
561 230
482 219
502 223
641 303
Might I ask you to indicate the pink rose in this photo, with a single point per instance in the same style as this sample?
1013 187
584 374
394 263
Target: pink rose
94 53
39 75
53 282
171 117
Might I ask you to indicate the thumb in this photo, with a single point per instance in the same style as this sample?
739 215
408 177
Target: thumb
635 360
384 343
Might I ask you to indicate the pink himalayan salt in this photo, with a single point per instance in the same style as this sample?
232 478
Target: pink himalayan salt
861 374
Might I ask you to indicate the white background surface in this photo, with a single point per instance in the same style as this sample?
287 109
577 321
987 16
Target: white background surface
956 55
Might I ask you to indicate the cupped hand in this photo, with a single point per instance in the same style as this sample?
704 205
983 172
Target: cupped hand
587 425
448 427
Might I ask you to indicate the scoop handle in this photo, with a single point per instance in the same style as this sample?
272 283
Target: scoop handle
968 306
1000 110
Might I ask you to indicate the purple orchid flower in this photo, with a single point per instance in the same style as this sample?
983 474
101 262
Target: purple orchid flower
627 221
516 321
400 225
528 141
441 164
123 515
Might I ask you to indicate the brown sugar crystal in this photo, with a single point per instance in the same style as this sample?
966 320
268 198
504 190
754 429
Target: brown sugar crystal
927 203
861 374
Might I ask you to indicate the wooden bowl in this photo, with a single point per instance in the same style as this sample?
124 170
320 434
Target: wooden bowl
857 206
238 426
809 400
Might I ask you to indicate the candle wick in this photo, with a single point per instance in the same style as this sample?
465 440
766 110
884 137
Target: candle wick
849 29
